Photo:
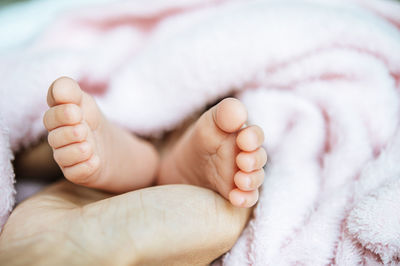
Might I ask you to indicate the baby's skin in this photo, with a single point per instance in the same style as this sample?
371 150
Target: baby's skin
217 152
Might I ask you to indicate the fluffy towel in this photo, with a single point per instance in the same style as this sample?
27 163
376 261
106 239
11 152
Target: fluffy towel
322 78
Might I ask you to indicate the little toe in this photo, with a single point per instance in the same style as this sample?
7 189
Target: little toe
73 154
250 138
230 115
244 199
64 90
62 115
63 136
249 181
250 161
83 173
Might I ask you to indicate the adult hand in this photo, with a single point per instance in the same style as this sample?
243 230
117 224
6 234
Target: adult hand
71 225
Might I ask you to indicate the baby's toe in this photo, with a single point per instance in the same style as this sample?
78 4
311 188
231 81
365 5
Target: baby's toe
244 199
62 115
83 173
250 161
63 136
73 154
250 138
249 181
229 115
64 90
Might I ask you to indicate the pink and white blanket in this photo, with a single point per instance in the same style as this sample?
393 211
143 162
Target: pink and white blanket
322 78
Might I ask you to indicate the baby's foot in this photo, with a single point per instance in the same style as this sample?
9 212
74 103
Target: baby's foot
90 150
217 153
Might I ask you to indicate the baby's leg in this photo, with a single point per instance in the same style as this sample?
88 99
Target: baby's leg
217 153
89 149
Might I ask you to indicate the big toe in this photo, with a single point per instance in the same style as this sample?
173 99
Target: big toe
230 115
64 90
